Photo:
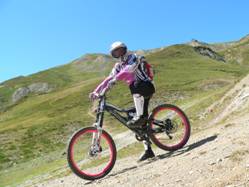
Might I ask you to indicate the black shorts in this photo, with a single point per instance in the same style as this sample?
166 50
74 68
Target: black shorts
144 88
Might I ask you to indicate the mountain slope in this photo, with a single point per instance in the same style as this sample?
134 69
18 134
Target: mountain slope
216 155
34 131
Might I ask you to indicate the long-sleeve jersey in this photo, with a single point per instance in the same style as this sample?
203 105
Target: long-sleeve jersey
130 69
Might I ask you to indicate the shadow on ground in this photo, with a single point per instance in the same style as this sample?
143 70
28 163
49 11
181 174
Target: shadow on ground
163 156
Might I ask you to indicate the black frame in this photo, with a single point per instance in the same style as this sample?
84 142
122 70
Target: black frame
111 109
115 112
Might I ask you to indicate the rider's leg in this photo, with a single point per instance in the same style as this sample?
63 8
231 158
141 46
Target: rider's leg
147 145
139 105
147 92
148 153
146 106
140 90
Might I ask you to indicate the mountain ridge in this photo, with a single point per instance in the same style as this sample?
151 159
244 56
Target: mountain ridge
38 126
193 42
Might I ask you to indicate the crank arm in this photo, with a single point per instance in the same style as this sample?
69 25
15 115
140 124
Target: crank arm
170 137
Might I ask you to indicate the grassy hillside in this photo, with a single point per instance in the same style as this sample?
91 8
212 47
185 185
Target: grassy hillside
34 132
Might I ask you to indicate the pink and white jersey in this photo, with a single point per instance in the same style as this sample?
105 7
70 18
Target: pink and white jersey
128 70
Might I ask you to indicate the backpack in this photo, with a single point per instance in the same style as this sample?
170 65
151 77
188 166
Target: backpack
148 68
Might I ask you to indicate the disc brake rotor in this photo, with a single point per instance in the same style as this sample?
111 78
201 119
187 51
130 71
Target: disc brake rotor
171 126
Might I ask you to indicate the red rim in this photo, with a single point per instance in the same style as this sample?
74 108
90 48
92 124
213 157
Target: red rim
185 123
102 172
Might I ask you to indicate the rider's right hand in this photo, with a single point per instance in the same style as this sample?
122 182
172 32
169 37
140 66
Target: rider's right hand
93 96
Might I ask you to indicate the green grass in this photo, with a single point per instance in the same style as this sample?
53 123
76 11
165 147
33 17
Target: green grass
36 167
40 125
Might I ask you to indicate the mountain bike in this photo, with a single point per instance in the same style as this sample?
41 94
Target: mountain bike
92 153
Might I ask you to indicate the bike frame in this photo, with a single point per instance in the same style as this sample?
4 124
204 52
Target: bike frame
111 109
115 112
141 133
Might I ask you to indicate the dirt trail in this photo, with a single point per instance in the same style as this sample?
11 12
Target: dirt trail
215 156
218 156
236 99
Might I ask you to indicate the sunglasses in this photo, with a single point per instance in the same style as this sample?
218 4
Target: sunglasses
117 53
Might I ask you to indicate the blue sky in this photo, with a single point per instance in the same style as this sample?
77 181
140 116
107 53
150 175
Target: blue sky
40 34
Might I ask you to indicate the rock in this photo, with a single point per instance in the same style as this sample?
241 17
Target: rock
103 59
19 94
39 88
93 63
191 172
219 160
196 43
227 156
206 51
140 52
94 58
22 92
212 85
200 171
244 39
212 163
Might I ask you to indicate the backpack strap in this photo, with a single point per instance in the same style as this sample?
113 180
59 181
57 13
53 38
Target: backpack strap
140 58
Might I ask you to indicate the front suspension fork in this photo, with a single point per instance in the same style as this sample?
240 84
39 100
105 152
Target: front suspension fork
95 146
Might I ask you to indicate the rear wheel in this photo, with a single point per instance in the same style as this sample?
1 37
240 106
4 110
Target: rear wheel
90 162
169 127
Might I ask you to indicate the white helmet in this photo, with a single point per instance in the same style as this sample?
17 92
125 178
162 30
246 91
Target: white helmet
117 45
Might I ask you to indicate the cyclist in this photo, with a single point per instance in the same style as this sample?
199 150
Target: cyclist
131 69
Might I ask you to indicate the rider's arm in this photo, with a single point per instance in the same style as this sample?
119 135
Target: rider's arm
106 82
127 73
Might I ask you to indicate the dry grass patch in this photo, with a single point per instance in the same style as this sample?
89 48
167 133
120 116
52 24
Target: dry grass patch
237 156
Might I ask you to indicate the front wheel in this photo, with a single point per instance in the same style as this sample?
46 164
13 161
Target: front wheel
88 161
169 127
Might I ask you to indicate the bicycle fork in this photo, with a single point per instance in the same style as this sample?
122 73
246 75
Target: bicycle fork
95 146
96 137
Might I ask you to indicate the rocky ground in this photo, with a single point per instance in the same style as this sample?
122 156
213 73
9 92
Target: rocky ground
217 155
